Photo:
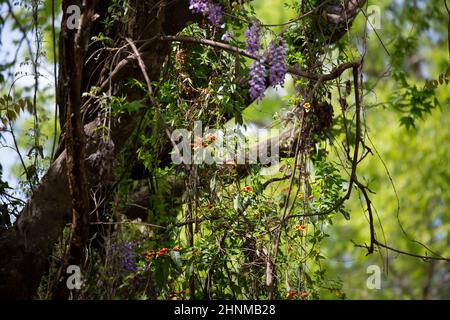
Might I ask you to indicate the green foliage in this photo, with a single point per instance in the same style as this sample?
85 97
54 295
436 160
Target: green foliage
120 105
413 101
212 231
9 110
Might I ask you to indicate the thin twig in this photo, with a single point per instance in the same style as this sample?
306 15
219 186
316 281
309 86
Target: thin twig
55 77
129 222
292 70
150 91
403 252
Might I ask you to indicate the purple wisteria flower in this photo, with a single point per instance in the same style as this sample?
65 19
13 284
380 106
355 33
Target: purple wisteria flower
125 254
252 38
215 14
277 62
226 37
257 79
198 6
206 7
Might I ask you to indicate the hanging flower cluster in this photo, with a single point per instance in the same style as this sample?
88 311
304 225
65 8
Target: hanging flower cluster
206 7
257 69
276 55
198 6
215 14
277 62
252 38
257 79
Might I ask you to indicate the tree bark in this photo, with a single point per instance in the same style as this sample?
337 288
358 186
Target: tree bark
27 246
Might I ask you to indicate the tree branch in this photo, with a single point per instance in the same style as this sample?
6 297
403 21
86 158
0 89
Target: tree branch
75 51
335 73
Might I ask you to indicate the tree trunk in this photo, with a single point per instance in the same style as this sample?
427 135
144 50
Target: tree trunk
27 246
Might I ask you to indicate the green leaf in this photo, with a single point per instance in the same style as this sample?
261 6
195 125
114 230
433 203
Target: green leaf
17 107
11 115
133 106
346 215
162 272
212 183
190 270
408 122
176 258
29 106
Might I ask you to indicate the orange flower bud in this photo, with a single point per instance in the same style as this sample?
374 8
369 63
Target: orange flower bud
162 252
